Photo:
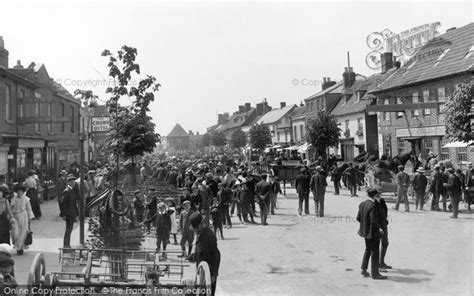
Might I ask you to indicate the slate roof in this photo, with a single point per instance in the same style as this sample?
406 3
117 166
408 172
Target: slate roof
298 112
336 88
423 65
177 132
237 120
352 105
275 115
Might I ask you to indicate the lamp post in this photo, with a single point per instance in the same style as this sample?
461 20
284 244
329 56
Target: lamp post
81 188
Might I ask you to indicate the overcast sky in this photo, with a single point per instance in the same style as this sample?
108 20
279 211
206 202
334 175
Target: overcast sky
211 57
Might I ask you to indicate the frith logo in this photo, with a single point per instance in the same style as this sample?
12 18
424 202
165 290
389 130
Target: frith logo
403 45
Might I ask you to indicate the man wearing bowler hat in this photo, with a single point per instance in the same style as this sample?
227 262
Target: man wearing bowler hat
69 210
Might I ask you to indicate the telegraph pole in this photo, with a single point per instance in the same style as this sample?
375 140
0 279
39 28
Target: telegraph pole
81 189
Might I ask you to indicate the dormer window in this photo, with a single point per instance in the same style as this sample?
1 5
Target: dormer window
441 56
469 52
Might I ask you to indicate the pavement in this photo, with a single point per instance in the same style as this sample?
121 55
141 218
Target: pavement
307 255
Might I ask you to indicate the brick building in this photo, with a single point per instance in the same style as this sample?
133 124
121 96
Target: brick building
409 101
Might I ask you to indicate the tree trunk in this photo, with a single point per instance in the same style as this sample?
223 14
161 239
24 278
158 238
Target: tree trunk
133 175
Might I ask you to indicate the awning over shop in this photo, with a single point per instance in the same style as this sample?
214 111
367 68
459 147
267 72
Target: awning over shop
458 144
303 148
30 143
294 147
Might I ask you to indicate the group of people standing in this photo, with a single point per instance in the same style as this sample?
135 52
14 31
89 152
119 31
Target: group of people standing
443 184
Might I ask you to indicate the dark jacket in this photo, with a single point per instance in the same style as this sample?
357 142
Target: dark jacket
351 174
302 183
163 224
454 185
263 189
419 183
318 184
437 183
69 201
369 220
206 250
383 213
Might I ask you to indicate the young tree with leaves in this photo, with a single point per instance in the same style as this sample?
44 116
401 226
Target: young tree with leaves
206 140
260 136
323 132
238 139
457 112
218 139
132 130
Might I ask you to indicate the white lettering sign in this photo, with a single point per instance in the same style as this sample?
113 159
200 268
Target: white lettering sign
100 124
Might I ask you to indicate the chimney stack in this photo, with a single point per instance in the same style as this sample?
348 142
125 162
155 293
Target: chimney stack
241 109
247 107
18 65
387 61
282 105
348 77
3 54
327 83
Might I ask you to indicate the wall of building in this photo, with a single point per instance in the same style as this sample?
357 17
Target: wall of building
393 126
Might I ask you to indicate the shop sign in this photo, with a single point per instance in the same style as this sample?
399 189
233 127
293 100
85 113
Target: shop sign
403 45
100 124
426 131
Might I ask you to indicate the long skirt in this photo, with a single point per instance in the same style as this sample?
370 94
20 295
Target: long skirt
22 219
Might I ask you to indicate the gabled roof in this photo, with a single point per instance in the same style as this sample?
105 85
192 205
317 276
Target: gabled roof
445 55
298 112
177 132
237 120
334 89
275 115
352 105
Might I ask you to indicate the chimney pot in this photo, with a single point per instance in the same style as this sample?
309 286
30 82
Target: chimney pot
387 61
282 105
2 43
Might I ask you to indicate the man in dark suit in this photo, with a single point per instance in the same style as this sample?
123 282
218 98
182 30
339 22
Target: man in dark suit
69 209
302 188
368 217
454 190
383 222
206 248
351 179
419 186
263 190
318 185
436 188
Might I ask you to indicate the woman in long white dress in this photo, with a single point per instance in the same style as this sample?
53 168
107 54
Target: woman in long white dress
23 213
174 226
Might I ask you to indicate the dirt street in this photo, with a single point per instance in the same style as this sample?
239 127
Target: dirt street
430 253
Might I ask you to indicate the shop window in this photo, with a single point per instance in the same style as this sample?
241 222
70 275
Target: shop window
426 99
302 132
441 98
295 136
444 151
278 136
399 114
462 154
21 162
415 101
400 146
386 115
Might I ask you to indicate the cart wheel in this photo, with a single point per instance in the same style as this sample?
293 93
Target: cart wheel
37 276
203 279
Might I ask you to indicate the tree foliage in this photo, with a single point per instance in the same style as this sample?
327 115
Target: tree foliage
238 139
132 131
323 132
206 140
218 139
457 113
260 136
87 97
